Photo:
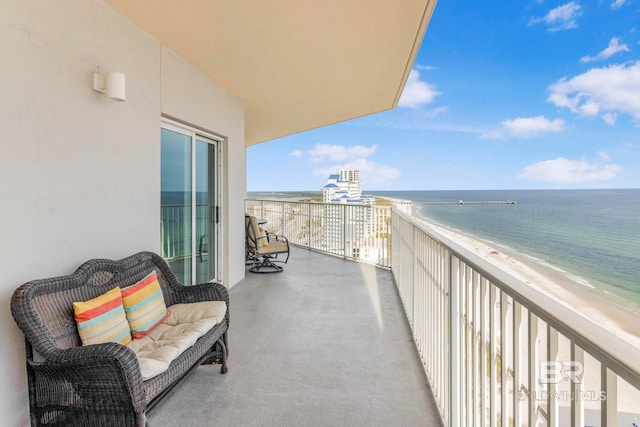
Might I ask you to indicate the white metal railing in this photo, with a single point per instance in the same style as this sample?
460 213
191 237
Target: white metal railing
360 232
497 351
176 229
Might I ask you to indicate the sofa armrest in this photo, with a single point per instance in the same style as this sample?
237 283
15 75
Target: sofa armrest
105 377
203 292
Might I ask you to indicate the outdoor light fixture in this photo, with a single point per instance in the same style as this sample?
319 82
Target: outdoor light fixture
111 84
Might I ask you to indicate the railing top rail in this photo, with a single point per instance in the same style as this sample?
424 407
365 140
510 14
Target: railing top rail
619 355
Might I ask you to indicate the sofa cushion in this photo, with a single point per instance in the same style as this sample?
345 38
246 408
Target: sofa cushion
144 305
179 331
102 319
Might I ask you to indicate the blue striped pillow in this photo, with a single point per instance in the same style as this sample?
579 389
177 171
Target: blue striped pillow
144 305
102 319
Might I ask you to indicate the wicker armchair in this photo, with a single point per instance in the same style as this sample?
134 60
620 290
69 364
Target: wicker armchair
71 384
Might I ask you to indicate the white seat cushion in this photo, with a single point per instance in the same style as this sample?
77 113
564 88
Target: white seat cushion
179 331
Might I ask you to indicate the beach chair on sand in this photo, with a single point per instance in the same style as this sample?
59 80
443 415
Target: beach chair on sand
263 248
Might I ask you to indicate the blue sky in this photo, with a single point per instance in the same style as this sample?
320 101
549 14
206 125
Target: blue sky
518 95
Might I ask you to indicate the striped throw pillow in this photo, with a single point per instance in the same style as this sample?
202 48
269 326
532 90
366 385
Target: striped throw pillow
102 319
144 305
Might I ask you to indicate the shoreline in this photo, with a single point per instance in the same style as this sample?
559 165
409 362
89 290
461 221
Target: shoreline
572 291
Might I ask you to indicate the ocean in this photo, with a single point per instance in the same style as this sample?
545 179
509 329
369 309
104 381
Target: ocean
592 236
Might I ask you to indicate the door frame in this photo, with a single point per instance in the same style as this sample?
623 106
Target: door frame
216 256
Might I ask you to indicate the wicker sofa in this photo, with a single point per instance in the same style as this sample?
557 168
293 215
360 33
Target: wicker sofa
102 384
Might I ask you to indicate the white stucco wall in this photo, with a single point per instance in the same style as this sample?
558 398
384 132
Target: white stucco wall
187 94
79 173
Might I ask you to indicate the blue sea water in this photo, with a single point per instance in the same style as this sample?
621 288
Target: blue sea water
591 235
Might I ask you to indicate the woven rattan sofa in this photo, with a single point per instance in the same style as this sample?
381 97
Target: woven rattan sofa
102 384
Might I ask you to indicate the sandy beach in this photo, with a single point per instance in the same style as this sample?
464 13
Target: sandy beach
590 302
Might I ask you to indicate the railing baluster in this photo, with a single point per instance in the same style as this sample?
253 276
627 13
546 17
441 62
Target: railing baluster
609 405
552 387
504 360
577 403
493 341
517 381
483 349
474 347
532 392
456 366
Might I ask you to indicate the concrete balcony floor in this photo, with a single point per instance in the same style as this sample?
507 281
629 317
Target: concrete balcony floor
324 343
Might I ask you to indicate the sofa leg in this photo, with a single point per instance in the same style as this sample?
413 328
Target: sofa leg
226 343
224 368
142 420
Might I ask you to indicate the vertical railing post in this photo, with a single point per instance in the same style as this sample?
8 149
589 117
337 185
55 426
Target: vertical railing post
517 328
504 359
309 218
282 215
493 384
483 349
454 344
533 363
577 403
344 231
414 288
553 404
609 405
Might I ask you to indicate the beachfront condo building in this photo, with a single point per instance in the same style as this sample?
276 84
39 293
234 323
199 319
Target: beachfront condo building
345 225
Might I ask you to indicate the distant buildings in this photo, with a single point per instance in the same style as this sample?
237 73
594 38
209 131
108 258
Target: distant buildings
350 227
345 187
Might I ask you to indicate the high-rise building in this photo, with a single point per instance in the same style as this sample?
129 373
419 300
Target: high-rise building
345 187
348 226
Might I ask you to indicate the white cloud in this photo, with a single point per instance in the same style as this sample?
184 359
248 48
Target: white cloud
610 118
603 155
340 153
436 111
617 4
566 171
371 173
416 92
560 18
609 90
297 153
613 48
525 127
353 157
424 67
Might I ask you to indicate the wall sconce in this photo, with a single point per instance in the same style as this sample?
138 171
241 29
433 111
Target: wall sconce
112 84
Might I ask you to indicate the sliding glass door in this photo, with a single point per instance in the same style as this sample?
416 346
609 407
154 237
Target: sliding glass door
189 203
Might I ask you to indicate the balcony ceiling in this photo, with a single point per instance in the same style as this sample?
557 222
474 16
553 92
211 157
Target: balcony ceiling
296 64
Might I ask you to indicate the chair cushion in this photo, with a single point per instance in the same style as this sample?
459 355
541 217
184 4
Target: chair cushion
102 319
144 305
274 247
179 331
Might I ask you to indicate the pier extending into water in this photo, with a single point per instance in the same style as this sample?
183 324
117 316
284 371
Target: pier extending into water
471 202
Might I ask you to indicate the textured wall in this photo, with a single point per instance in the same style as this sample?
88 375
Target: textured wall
79 173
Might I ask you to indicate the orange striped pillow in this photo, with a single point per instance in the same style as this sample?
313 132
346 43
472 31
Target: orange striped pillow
144 305
102 319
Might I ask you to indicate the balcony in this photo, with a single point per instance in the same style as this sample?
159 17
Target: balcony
323 343
328 341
